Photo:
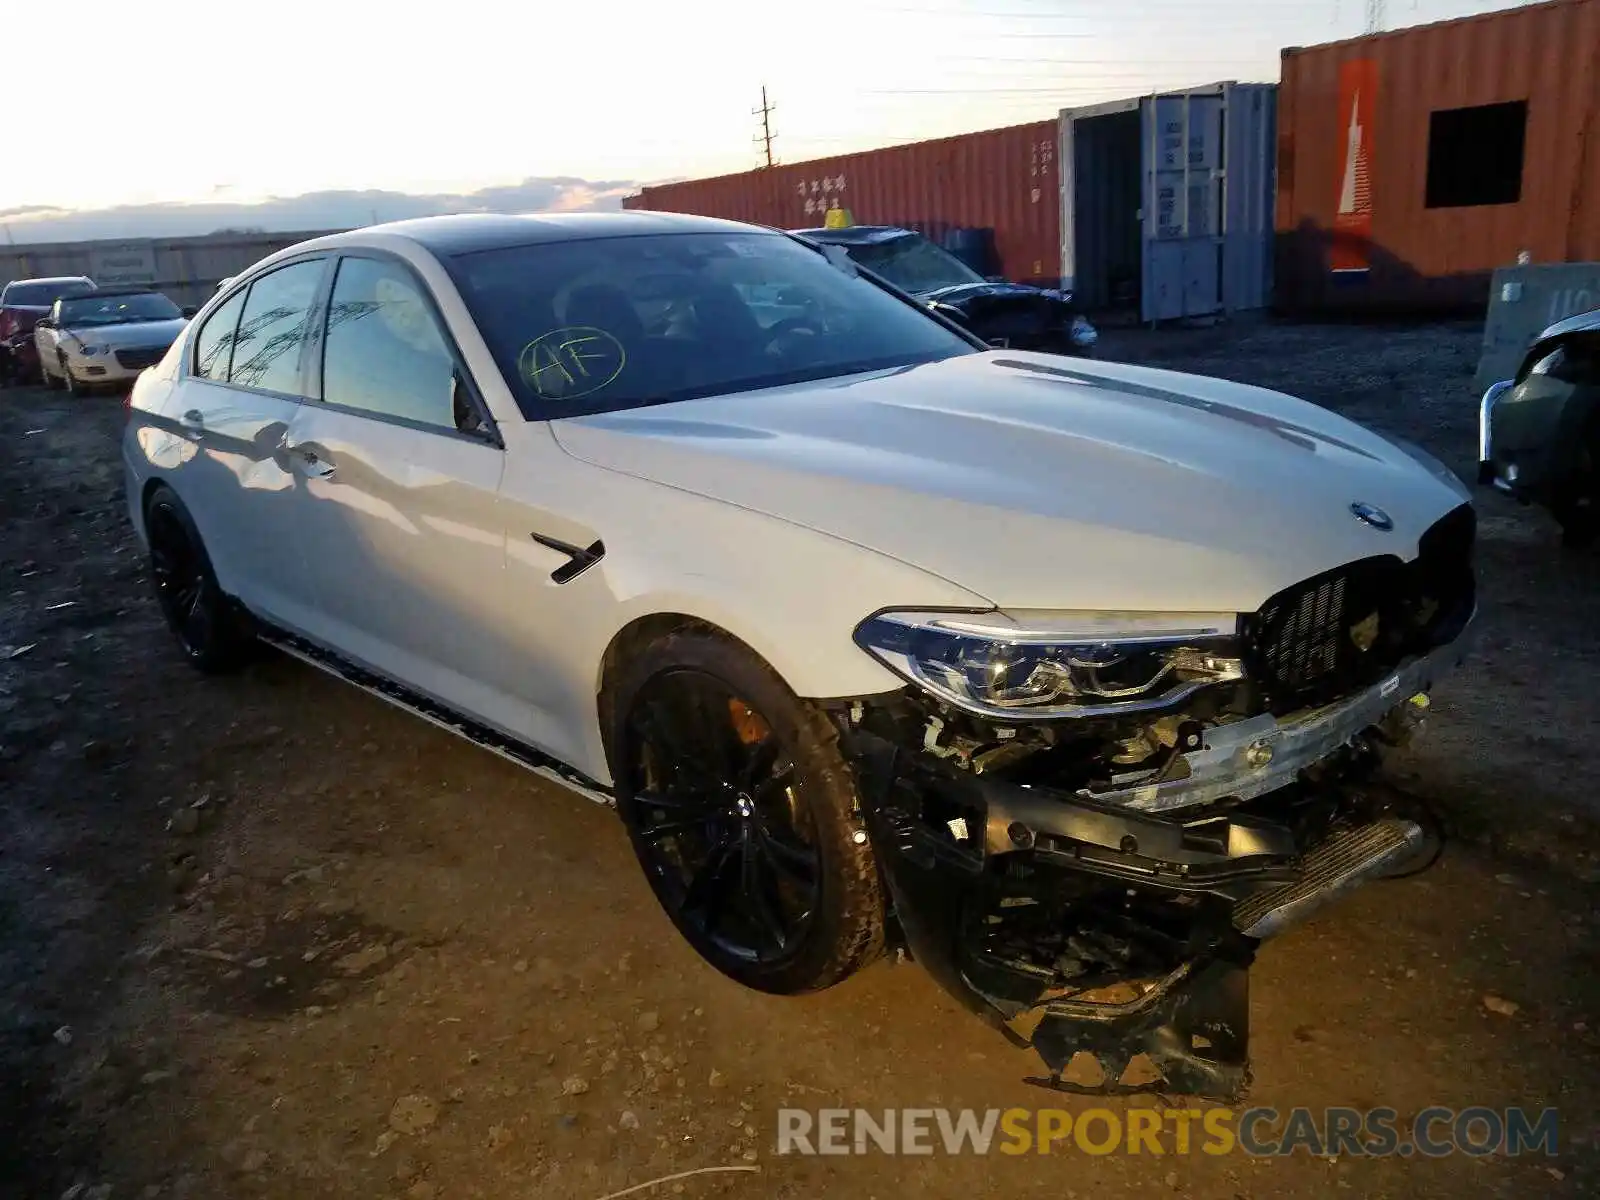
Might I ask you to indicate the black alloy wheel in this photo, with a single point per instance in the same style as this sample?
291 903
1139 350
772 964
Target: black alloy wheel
718 819
200 615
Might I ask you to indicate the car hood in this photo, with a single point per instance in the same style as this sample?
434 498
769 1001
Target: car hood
1041 482
134 333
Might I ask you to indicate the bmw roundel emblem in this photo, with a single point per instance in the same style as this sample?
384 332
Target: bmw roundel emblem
1371 514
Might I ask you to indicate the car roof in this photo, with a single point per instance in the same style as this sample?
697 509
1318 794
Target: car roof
101 293
467 233
53 279
856 235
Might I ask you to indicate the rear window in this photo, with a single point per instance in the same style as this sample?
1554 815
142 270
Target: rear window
597 325
43 295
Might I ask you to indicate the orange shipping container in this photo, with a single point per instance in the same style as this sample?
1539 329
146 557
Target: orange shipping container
1001 179
1411 164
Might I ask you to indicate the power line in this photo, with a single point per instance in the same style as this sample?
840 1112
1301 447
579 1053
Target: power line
765 113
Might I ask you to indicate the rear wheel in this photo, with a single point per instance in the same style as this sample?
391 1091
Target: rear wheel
743 815
202 617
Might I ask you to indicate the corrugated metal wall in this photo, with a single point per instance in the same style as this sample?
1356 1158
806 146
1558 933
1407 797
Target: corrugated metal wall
1546 54
186 269
1251 140
1001 179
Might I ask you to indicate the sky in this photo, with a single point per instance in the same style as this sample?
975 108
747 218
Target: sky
201 102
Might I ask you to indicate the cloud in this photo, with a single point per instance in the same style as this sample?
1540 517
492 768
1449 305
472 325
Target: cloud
308 212
30 211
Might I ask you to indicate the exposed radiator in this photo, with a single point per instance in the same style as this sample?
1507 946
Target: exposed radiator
1330 870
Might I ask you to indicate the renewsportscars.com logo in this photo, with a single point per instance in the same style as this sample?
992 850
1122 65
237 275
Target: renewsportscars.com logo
1261 1132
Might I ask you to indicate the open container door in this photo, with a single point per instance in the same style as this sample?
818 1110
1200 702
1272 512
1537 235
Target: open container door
1184 204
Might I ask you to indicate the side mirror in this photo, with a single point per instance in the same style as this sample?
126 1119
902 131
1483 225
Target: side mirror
189 310
44 323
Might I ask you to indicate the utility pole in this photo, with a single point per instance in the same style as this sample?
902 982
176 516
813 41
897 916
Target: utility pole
1375 16
765 113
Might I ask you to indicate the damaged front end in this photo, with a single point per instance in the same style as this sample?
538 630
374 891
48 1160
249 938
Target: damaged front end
1100 882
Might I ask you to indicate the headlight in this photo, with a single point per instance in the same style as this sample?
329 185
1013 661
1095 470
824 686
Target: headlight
89 351
1039 666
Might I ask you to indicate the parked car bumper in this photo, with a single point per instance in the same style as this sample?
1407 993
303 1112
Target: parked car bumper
24 356
115 366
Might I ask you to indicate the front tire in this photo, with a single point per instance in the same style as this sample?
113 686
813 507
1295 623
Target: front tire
744 815
200 614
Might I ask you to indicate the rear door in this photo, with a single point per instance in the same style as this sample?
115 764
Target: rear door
243 384
398 469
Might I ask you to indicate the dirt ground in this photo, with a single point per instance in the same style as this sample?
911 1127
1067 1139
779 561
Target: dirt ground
267 937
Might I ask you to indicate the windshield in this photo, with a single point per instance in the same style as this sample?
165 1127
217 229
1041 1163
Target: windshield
43 295
610 323
93 310
914 264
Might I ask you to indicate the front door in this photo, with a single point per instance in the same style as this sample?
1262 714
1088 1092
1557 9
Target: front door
399 479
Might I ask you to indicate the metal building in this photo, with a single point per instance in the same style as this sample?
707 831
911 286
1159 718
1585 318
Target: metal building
187 269
1412 163
1157 205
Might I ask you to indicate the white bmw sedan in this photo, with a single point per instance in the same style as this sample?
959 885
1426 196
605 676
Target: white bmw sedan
1068 677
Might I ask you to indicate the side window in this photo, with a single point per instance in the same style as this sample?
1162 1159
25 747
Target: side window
213 345
384 351
273 328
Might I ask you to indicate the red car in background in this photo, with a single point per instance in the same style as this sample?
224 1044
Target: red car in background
22 303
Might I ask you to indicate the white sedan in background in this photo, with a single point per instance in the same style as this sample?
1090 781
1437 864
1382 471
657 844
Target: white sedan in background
105 338
1068 676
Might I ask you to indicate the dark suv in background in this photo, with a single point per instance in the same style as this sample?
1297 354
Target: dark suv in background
22 303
